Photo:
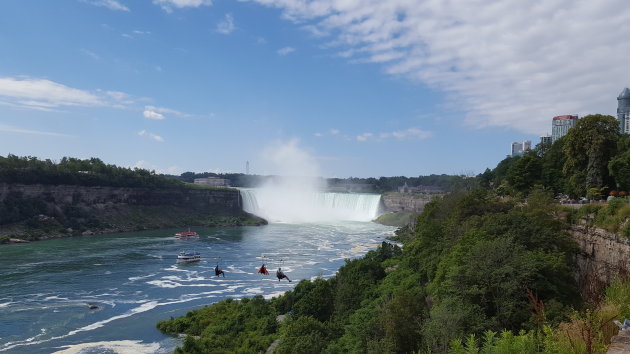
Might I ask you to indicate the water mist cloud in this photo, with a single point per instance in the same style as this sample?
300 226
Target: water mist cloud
287 159
287 195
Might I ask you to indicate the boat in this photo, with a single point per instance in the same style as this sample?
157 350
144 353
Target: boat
188 257
186 234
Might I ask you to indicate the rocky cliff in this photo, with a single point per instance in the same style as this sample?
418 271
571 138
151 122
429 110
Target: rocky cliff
603 256
43 211
225 201
408 203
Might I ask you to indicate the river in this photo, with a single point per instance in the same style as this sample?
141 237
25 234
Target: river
133 278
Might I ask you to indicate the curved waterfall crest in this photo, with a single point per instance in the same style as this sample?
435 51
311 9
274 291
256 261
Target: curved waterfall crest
277 205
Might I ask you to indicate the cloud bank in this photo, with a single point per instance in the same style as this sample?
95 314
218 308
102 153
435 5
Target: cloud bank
506 63
159 113
46 95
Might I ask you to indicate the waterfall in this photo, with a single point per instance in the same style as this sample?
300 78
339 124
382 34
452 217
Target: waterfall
277 205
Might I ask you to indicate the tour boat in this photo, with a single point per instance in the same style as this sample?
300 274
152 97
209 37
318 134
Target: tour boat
186 234
189 257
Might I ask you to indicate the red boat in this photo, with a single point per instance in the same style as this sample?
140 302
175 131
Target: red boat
186 234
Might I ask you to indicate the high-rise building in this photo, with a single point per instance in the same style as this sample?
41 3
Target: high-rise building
560 126
623 111
519 148
545 139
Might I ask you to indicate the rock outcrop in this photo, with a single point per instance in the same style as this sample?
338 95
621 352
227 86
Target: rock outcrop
408 203
224 200
603 256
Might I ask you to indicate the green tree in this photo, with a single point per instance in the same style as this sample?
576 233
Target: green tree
523 174
619 168
552 165
589 146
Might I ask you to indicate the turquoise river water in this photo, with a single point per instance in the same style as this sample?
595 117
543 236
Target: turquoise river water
133 278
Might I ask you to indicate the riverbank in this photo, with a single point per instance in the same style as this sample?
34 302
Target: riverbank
158 218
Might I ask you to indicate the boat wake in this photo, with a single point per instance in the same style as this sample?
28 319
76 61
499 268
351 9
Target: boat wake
120 346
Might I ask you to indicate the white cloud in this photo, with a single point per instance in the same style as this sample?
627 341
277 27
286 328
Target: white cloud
160 113
285 51
508 63
135 33
151 135
411 133
226 26
152 114
334 131
11 129
42 94
364 136
318 134
168 5
90 54
110 4
407 134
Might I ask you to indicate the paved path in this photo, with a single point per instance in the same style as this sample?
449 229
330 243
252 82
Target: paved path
620 343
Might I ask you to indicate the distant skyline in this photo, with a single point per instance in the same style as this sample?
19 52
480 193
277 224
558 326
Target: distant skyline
337 88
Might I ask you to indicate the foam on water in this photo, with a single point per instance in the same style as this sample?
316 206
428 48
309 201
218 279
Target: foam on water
121 347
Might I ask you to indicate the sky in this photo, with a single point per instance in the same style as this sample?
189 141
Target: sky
360 88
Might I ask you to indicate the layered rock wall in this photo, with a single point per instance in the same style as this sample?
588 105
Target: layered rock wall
603 256
408 203
226 201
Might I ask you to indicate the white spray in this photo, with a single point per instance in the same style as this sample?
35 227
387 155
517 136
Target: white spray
296 194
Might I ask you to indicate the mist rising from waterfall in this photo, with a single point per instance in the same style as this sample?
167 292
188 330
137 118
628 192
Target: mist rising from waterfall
297 194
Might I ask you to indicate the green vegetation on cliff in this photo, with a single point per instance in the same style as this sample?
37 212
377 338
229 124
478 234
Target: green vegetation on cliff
395 219
468 268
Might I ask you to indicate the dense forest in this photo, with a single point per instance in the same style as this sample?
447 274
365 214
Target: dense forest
73 171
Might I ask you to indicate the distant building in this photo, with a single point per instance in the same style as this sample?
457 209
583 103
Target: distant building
545 139
560 126
623 111
420 189
212 181
519 148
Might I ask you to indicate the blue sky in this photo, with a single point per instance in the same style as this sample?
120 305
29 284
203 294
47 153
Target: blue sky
358 88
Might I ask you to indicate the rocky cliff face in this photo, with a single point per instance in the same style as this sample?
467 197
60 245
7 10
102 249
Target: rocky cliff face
604 255
225 201
408 203
50 211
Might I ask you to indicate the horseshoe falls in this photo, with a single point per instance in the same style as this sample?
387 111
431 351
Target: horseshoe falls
291 206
